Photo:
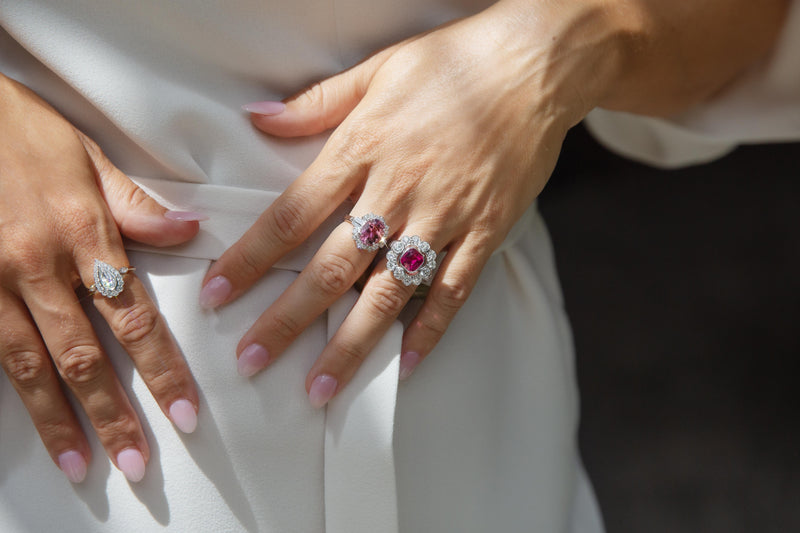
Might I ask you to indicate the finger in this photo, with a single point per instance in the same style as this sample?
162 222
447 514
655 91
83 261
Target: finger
142 332
381 300
330 273
322 106
27 364
452 285
85 369
284 225
138 216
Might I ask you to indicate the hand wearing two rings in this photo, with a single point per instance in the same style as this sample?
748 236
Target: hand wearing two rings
449 136
63 206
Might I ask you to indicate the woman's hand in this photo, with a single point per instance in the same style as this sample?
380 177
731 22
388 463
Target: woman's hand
63 204
450 136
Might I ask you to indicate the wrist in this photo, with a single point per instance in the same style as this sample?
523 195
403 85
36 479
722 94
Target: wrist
581 49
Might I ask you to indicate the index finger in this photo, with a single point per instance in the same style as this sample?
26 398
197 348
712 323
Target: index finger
285 224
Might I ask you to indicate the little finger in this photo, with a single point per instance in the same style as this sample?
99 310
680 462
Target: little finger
27 364
449 290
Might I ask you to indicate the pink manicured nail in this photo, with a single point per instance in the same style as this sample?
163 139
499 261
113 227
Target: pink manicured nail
215 292
265 108
322 389
73 465
408 362
131 462
252 359
183 415
185 216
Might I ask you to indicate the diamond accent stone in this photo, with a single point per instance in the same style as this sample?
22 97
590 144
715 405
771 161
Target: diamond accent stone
107 279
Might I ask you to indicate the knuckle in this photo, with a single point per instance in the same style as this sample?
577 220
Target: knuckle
122 427
81 364
165 374
27 368
137 323
431 326
350 355
288 220
386 301
332 274
284 327
451 296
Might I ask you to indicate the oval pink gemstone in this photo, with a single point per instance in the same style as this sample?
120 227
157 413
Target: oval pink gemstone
411 260
372 232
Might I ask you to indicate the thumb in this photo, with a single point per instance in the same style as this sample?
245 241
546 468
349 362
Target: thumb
138 216
322 106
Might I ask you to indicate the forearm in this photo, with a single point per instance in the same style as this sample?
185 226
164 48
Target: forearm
651 57
686 51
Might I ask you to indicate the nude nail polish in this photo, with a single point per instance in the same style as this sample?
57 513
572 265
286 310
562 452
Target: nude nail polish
183 415
265 108
131 462
185 216
408 362
73 465
322 390
215 292
251 360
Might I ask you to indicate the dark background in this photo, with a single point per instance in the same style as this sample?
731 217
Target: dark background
683 288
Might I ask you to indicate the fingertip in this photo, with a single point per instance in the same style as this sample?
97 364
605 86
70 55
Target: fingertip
215 292
322 389
162 230
73 464
408 362
130 461
183 415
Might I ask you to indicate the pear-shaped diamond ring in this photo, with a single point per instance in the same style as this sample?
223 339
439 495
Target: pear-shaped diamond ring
108 280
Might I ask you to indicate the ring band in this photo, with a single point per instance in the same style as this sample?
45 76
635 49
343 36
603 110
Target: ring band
369 231
108 280
411 260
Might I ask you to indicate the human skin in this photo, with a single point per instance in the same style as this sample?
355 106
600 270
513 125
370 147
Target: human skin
450 135
62 204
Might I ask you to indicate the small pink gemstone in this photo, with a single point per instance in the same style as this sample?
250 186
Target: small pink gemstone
411 260
372 232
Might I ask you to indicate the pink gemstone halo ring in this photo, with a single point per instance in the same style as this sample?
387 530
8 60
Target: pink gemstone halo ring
411 260
369 231
108 280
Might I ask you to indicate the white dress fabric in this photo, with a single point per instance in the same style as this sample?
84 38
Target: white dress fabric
481 438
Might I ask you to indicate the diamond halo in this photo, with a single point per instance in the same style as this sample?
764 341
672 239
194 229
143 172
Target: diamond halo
411 260
108 280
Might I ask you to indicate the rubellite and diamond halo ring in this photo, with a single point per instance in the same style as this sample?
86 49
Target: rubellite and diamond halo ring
369 231
108 280
411 260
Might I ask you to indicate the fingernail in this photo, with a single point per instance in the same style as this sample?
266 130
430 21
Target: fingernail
131 463
322 389
408 362
252 359
185 216
215 292
265 108
183 415
73 465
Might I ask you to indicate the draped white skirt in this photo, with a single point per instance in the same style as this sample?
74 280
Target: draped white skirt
482 437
